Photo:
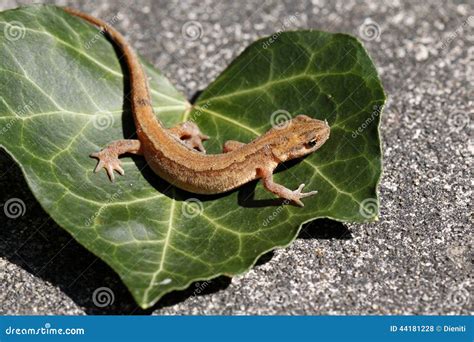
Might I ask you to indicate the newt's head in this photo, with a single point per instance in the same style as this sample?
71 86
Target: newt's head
300 136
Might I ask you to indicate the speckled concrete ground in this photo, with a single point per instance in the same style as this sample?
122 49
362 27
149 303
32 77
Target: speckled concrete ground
418 259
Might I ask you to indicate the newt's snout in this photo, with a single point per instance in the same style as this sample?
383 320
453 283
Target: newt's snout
325 131
315 132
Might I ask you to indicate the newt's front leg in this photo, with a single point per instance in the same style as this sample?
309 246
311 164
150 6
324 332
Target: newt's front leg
109 156
281 191
188 132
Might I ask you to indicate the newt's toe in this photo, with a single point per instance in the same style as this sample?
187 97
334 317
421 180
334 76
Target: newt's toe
109 162
298 202
298 195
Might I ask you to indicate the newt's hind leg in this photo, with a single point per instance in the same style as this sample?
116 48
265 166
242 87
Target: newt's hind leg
281 191
190 135
108 156
231 145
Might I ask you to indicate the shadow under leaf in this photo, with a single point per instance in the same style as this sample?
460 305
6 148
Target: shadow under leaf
38 245
325 229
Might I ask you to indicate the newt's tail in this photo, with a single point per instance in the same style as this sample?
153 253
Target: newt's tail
144 117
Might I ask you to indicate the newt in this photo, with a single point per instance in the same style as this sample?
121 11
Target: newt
178 156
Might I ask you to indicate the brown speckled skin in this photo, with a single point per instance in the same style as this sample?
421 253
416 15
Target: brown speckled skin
194 171
211 174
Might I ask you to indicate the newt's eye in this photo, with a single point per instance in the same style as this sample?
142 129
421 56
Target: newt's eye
311 143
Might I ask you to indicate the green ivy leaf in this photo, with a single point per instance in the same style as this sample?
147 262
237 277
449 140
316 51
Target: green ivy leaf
62 97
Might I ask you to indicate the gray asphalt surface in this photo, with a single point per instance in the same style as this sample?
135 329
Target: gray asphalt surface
418 259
